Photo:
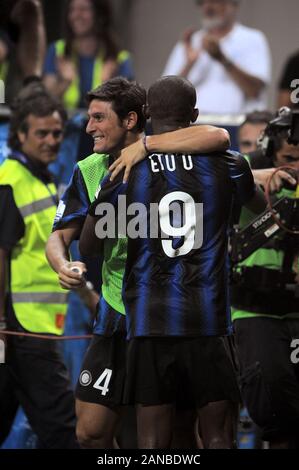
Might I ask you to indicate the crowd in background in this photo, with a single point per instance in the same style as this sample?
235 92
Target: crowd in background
228 63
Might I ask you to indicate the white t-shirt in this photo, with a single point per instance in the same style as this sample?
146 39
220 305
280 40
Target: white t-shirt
217 92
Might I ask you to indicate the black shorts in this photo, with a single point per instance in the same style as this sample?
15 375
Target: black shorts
193 371
103 371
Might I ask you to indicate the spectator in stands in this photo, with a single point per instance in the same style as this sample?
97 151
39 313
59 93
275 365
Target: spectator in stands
87 56
23 59
228 63
289 83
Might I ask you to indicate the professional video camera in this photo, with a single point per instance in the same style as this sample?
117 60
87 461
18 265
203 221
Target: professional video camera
283 214
286 123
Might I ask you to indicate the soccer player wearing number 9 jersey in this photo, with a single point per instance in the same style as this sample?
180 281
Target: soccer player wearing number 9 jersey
176 279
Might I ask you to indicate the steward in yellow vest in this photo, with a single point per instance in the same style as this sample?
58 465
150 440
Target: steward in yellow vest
38 302
31 299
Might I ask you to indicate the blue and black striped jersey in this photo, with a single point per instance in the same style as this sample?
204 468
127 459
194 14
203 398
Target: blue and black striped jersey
176 278
74 203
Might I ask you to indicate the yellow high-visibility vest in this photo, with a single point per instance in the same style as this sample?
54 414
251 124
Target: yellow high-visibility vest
3 70
38 301
71 97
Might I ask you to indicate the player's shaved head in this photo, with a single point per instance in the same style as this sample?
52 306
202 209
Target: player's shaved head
172 99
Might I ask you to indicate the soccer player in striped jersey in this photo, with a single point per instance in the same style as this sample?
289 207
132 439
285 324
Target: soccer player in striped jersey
176 279
115 122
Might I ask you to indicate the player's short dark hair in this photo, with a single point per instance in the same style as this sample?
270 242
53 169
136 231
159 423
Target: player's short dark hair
124 97
172 98
34 100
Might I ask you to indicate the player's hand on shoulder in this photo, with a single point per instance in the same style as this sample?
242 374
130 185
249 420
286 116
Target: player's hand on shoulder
129 156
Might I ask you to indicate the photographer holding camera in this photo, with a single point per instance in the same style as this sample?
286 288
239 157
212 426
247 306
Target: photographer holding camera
266 313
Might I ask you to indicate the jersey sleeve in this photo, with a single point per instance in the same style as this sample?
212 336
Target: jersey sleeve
242 177
109 191
74 203
12 227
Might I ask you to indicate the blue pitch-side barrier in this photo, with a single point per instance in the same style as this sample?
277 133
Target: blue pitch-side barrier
78 318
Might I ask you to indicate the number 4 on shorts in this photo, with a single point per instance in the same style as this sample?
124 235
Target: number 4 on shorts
104 377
